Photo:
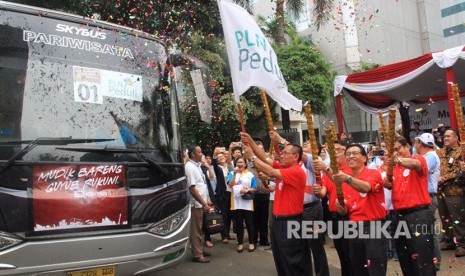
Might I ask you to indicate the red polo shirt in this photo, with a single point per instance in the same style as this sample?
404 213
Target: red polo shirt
289 191
331 188
367 206
410 188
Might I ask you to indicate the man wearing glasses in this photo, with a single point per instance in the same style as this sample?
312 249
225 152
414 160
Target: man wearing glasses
313 210
451 191
328 188
364 204
411 201
289 252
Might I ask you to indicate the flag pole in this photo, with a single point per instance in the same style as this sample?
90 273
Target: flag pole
241 116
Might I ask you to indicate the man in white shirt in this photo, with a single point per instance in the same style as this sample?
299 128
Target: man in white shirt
424 145
200 202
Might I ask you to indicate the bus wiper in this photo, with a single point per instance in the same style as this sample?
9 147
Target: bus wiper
139 153
43 141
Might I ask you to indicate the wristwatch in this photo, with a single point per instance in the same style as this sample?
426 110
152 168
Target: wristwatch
349 179
283 142
252 159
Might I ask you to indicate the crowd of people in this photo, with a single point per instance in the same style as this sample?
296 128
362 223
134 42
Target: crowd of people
268 191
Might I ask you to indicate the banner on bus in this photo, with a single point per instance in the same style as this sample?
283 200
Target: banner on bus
79 196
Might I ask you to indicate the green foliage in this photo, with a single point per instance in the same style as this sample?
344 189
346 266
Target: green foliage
307 74
225 126
367 66
212 51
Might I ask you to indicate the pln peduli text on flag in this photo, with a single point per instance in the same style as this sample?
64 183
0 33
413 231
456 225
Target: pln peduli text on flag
252 60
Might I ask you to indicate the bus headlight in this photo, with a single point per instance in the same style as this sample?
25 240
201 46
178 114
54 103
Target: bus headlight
171 223
8 240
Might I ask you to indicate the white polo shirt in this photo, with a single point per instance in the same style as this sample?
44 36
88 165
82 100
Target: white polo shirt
195 177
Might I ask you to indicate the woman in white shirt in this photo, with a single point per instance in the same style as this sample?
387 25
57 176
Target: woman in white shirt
243 184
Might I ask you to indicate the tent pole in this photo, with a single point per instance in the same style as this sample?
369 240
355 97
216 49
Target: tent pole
339 118
450 76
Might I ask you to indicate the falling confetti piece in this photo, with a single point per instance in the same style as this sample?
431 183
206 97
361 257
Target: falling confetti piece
368 264
415 256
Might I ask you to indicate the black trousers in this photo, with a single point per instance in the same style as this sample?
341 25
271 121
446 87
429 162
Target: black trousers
228 215
451 209
261 204
368 256
416 251
290 253
240 216
315 245
340 243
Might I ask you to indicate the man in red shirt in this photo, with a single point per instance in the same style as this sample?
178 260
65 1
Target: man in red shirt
411 200
328 188
364 204
289 252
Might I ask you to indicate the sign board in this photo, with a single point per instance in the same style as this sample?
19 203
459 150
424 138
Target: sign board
431 114
79 196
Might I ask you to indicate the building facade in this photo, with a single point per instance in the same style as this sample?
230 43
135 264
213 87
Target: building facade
453 18
377 32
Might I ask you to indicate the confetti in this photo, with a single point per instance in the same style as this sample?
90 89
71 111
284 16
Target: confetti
368 263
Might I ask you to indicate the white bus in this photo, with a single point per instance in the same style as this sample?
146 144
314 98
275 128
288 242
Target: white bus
91 173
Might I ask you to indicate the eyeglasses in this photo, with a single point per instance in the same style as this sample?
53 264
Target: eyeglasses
352 153
339 149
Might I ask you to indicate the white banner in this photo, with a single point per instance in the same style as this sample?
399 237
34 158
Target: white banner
251 57
430 115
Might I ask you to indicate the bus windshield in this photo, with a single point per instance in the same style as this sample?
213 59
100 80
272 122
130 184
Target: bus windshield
64 79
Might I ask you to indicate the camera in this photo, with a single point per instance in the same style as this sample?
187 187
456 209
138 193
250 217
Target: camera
378 153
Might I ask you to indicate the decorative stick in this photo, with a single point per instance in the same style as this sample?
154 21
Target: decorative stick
334 167
269 120
312 138
383 125
390 140
458 111
459 115
333 131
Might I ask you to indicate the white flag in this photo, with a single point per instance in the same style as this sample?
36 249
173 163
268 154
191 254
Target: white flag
251 58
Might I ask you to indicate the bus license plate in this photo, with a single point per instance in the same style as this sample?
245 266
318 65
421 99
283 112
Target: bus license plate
100 271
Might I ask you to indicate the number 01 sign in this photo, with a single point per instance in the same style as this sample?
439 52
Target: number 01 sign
91 85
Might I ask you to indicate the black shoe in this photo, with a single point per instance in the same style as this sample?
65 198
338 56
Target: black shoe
459 252
201 260
447 246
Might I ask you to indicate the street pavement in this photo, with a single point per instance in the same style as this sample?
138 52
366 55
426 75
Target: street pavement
226 261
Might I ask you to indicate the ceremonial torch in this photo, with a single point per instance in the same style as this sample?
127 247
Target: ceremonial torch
459 115
332 156
333 131
312 138
269 120
390 140
383 127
